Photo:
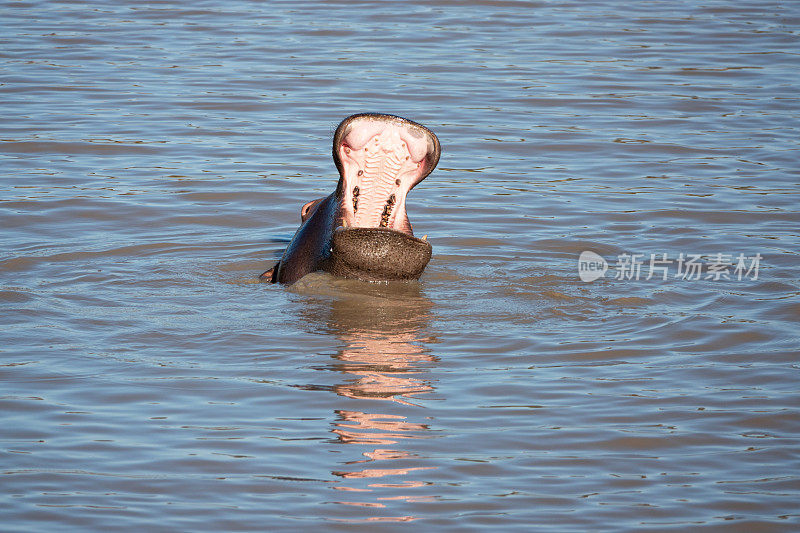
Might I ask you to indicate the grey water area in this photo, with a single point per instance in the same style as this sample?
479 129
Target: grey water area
153 160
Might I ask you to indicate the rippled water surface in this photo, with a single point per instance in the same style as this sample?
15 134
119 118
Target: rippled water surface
154 158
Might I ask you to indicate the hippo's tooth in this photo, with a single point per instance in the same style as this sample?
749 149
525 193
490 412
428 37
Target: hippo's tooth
425 237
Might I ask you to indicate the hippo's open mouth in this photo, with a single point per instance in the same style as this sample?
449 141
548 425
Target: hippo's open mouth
380 159
362 230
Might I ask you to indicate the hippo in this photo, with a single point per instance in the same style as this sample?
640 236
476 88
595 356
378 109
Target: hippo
361 230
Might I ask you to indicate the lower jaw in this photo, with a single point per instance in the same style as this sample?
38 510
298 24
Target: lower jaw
377 254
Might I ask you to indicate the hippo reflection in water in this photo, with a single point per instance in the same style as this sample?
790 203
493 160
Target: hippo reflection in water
362 230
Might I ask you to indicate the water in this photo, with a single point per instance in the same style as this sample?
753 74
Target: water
154 159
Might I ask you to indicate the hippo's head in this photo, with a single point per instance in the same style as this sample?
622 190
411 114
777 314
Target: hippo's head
380 158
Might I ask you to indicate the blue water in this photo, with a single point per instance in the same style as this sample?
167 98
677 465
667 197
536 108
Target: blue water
154 159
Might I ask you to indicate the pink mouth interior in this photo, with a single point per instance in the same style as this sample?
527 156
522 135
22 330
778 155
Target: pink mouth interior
382 159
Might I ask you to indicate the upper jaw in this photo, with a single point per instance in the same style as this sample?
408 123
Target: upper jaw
380 158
